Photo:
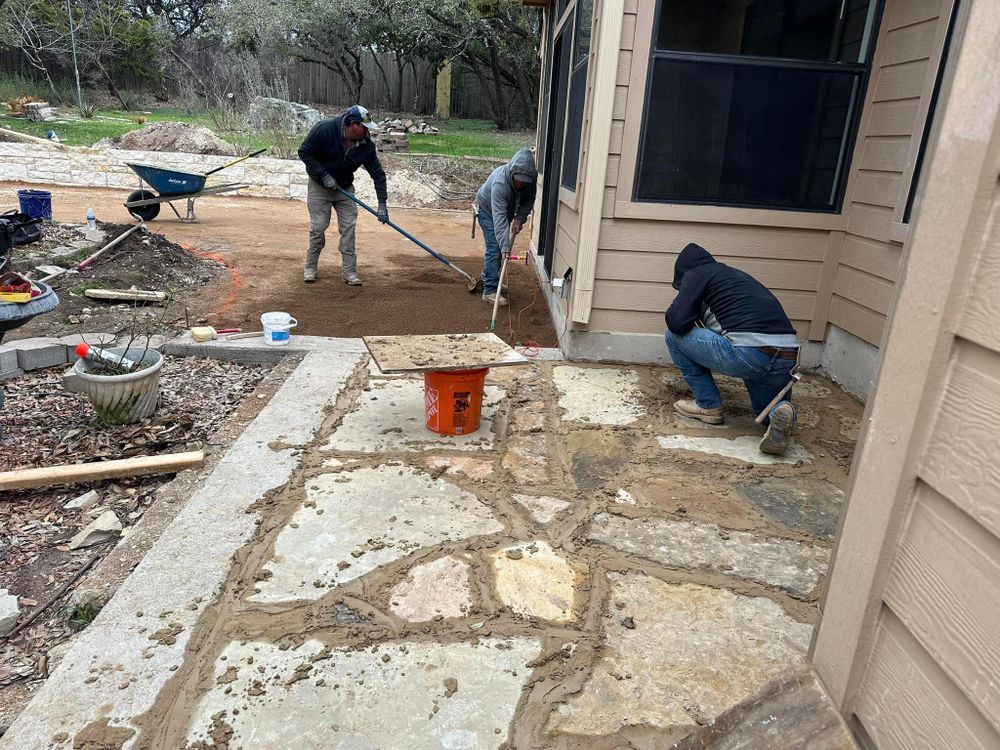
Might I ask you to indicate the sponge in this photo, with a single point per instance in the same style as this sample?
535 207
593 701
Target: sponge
203 333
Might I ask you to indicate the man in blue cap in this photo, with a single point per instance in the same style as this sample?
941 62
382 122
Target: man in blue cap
333 151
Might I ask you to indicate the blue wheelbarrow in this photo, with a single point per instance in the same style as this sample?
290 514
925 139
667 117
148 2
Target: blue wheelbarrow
169 185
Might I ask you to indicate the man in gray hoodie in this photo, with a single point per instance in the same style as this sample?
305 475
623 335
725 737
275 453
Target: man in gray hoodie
504 202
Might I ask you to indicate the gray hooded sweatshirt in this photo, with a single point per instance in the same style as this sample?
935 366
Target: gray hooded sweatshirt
504 202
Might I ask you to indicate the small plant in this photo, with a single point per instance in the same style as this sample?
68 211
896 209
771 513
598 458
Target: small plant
87 111
82 615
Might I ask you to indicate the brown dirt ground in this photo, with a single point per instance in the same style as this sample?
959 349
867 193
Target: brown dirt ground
263 242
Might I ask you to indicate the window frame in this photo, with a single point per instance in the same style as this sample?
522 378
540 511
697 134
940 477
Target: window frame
643 53
569 196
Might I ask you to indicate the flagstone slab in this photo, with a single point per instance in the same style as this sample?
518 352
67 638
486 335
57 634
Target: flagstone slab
802 503
743 448
390 417
609 396
438 588
543 509
352 522
784 564
422 696
676 655
534 581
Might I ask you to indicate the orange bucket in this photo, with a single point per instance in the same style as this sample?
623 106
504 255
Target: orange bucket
453 400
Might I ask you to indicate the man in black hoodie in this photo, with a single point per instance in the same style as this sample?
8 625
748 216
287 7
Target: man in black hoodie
725 320
333 151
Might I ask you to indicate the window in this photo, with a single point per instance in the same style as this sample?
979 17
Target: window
577 93
754 102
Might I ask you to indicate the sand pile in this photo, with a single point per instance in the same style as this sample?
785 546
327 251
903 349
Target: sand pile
180 137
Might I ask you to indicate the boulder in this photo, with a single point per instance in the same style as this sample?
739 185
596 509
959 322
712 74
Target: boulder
267 113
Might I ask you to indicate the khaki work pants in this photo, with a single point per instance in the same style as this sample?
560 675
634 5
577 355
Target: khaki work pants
320 201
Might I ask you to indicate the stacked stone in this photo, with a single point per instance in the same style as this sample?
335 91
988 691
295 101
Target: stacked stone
38 111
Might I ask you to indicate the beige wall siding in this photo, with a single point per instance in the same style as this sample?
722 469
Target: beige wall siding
907 642
906 60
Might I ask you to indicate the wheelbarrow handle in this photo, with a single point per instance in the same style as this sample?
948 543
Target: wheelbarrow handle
258 152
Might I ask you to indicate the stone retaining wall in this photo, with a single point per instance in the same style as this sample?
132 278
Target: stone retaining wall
100 167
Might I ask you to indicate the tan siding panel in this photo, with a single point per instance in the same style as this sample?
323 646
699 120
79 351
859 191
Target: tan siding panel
907 12
617 137
904 81
628 32
907 703
961 460
569 221
652 297
870 221
611 176
877 258
632 6
877 188
618 265
624 68
945 587
981 321
627 321
893 118
854 318
911 43
620 103
608 203
865 289
638 235
885 154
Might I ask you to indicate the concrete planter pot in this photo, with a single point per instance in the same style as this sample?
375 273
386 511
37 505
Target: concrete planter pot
121 399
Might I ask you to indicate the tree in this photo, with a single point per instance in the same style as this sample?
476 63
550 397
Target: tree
182 17
40 30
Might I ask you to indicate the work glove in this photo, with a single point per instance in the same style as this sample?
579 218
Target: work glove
383 213
330 184
515 227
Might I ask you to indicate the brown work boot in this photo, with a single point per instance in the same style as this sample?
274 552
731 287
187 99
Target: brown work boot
688 407
779 431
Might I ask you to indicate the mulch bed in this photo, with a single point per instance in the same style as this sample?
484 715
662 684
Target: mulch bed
143 260
44 425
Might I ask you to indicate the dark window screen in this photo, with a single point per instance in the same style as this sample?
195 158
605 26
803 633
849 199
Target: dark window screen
577 94
754 102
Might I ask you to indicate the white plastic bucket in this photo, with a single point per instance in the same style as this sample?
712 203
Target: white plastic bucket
277 327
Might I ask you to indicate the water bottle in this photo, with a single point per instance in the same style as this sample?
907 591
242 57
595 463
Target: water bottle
91 219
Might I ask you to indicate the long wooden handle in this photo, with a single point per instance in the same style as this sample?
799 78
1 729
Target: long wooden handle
496 297
98 470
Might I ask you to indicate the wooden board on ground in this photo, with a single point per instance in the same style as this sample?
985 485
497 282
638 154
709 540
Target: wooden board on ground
92 472
127 295
453 351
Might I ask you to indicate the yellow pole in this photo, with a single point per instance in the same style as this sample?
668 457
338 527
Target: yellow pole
442 108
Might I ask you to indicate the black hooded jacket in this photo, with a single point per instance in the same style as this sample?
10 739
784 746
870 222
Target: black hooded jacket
739 302
323 154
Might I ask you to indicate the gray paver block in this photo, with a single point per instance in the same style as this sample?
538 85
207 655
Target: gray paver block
8 360
809 505
34 354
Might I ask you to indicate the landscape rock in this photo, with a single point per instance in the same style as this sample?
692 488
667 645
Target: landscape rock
184 137
106 526
9 612
83 502
268 113
544 509
744 448
693 652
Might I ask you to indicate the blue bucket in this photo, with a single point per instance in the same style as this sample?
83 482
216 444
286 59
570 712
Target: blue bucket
36 203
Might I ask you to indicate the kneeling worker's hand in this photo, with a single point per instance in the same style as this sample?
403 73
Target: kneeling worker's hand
383 213
515 227
330 184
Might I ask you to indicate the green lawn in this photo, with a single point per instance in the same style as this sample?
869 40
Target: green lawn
457 137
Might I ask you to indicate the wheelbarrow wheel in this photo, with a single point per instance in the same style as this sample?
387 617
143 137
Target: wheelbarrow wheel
146 213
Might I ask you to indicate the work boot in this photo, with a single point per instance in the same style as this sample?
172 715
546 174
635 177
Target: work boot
351 279
309 275
688 407
491 298
779 431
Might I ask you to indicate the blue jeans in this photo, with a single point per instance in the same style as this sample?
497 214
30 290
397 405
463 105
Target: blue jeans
700 351
491 255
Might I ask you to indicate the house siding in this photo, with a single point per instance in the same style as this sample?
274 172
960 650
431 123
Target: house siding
907 637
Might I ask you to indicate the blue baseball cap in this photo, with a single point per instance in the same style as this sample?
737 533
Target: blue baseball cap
357 113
